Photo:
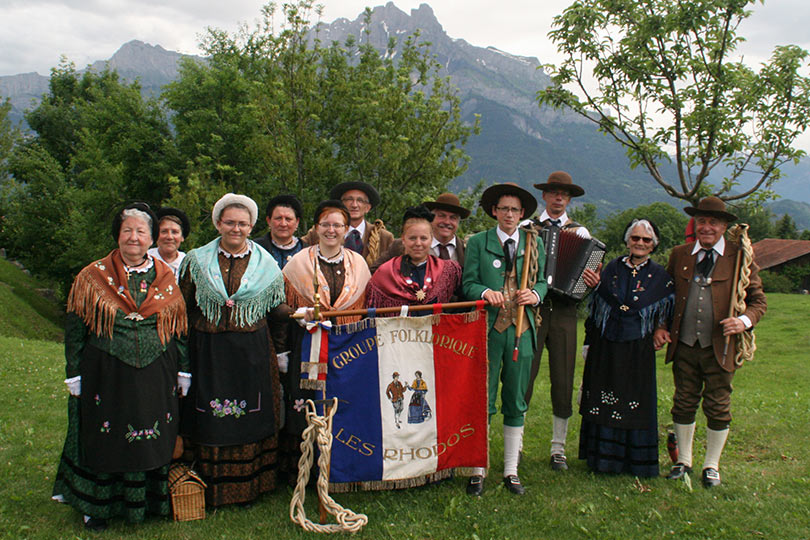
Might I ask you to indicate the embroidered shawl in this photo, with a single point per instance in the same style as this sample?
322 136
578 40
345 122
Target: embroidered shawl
388 287
261 289
299 273
100 290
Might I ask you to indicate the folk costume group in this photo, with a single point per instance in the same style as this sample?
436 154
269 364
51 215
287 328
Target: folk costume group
175 356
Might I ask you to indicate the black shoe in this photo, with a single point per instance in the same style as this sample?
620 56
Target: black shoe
475 485
95 524
559 462
512 483
678 471
710 477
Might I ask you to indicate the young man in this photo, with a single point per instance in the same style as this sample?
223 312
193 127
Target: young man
283 216
703 273
447 214
370 240
558 329
492 271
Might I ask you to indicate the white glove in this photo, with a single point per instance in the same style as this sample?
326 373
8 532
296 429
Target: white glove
283 361
74 385
585 351
302 322
582 232
183 382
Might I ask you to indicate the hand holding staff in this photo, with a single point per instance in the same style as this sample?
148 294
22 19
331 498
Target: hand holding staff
523 295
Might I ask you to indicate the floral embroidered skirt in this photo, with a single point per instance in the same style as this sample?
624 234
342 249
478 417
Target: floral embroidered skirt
120 437
231 414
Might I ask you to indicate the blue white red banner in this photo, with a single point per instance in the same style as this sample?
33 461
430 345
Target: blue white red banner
412 394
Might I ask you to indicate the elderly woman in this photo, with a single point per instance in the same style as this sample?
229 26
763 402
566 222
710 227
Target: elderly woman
342 277
231 416
619 431
173 228
125 369
283 217
417 276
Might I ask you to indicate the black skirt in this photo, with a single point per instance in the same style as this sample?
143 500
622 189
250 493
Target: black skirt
129 415
231 397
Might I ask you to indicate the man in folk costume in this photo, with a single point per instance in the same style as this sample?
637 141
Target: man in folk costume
558 314
447 214
370 240
492 271
702 364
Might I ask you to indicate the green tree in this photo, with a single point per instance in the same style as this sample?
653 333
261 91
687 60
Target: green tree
586 215
759 219
671 225
786 228
667 82
275 110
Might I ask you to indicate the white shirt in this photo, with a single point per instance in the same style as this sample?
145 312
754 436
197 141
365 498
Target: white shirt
581 230
174 265
451 248
360 228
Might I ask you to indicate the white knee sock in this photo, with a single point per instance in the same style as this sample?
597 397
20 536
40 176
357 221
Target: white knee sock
511 447
685 433
715 441
558 435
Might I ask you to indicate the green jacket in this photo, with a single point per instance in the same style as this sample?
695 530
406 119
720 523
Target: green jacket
481 272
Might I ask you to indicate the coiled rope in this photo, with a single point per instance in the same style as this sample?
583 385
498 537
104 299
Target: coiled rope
320 428
746 341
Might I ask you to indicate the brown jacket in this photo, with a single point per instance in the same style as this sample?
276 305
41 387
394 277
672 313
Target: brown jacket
396 250
386 239
682 269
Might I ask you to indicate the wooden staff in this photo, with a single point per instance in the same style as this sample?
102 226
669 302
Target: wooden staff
382 311
737 264
524 279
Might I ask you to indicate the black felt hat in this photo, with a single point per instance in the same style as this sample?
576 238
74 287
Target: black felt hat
492 194
185 226
290 201
338 191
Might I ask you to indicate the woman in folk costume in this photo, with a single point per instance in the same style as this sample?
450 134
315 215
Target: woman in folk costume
125 369
342 279
418 408
417 276
231 416
619 432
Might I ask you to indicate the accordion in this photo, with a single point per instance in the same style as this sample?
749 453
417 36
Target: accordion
567 257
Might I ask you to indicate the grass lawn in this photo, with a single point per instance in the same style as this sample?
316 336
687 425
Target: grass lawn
765 491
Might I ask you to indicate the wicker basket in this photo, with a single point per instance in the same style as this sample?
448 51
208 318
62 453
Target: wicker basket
188 493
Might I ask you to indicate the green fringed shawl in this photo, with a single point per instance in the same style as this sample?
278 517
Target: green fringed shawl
261 289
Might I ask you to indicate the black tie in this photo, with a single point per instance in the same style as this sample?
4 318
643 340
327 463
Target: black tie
444 253
704 267
354 242
507 253
554 222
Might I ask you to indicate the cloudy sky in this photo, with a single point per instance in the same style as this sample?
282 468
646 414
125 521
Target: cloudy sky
35 33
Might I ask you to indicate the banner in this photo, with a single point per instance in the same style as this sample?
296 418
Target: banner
412 395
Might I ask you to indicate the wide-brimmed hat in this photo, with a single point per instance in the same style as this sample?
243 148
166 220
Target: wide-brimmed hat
338 191
232 198
185 226
561 180
143 207
491 195
711 206
449 203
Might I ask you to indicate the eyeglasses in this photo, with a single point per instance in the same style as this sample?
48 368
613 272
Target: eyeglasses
352 200
335 226
236 224
644 239
558 193
508 209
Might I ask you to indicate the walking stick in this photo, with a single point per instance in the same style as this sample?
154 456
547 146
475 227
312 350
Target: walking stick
524 279
733 303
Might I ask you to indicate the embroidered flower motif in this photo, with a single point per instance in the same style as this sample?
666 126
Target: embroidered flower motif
299 405
159 296
142 434
608 398
228 408
100 266
105 427
594 410
120 289
170 289
634 404
97 398
144 287
169 418
616 415
110 280
229 302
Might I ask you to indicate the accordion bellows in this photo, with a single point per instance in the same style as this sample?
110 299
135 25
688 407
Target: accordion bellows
567 257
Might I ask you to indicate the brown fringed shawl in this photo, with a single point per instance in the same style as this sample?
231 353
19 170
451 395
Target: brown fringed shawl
389 288
100 290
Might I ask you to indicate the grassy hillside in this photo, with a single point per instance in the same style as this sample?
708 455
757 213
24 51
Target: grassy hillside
24 311
765 467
